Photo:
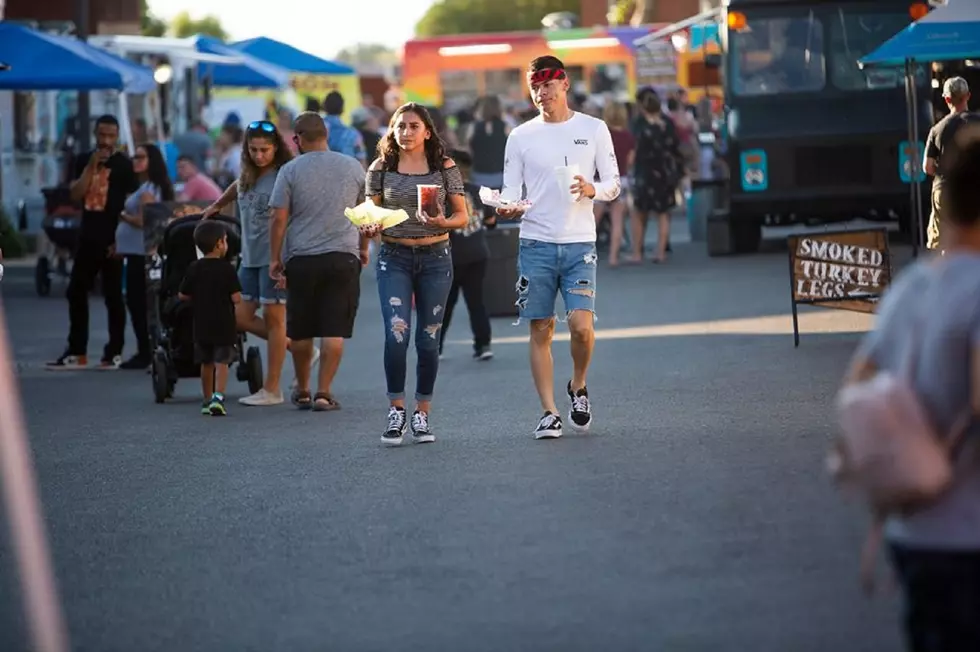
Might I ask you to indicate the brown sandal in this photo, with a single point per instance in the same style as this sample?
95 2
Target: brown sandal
325 403
301 399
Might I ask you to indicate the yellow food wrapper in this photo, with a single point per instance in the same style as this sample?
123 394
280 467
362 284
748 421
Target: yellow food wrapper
370 213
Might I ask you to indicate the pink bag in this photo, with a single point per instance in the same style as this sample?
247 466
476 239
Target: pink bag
888 449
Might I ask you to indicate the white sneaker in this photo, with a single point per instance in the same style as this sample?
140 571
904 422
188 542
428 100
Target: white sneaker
313 363
262 398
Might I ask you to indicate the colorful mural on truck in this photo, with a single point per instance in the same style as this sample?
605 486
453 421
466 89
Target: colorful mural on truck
435 69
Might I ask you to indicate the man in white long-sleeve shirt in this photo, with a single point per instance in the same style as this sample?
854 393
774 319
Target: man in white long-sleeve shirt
557 250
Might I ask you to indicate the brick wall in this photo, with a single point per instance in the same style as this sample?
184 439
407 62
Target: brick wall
104 14
593 12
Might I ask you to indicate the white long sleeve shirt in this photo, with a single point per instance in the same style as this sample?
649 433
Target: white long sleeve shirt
534 150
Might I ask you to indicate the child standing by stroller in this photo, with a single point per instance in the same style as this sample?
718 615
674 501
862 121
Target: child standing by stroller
211 285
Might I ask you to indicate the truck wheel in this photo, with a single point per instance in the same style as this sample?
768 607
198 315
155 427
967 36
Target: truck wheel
747 236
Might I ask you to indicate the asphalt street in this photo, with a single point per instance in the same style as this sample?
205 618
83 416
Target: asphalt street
695 517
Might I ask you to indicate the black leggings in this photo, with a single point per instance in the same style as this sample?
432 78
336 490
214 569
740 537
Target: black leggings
136 301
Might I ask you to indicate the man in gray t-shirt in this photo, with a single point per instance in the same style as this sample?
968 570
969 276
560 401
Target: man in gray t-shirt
319 252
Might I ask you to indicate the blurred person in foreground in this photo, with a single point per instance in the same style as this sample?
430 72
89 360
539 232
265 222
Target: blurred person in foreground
932 311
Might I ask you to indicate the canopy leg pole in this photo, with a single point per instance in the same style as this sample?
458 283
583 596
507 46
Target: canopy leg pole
124 123
917 163
914 220
157 100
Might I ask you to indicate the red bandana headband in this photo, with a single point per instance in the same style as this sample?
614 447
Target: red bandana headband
546 75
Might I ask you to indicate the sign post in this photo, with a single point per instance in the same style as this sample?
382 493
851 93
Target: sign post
841 270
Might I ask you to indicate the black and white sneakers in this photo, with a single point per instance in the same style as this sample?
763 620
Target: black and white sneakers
580 413
421 434
549 427
398 424
579 416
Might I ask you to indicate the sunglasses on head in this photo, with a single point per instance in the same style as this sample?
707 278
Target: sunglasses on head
262 125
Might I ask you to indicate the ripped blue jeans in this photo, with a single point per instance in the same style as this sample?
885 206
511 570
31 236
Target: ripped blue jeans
427 274
544 269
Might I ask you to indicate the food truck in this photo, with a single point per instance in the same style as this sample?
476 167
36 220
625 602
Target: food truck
453 71
810 136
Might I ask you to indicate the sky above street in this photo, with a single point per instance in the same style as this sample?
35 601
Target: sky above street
321 28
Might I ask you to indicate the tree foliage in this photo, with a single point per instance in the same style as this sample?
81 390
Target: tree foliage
446 17
184 25
181 26
367 54
150 25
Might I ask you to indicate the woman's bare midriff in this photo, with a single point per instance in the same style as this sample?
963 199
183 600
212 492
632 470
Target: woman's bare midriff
416 242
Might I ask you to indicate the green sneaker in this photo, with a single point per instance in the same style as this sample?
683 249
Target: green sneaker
217 406
206 408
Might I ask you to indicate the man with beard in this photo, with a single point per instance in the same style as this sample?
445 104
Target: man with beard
103 180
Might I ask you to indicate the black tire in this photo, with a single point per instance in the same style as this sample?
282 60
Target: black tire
241 371
162 387
253 363
42 277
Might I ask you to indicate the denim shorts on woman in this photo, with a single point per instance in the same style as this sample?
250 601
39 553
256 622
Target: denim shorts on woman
544 269
258 286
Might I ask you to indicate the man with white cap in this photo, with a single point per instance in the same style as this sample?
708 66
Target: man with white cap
940 148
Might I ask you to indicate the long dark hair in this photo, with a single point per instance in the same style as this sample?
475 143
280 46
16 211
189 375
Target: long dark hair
435 148
156 171
250 171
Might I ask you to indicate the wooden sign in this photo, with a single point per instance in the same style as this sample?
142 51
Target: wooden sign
843 270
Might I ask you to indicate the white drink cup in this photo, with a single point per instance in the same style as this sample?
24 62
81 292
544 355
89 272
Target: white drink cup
565 178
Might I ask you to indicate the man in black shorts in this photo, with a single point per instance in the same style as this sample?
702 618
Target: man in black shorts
941 149
319 252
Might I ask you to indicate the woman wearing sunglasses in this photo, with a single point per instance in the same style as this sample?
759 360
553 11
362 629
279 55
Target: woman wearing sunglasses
151 170
264 153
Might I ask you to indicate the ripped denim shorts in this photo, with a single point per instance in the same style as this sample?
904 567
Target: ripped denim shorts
544 269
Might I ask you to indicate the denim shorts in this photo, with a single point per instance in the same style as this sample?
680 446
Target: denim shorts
544 269
258 286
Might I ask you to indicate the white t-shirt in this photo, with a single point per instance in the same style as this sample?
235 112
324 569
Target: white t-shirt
534 150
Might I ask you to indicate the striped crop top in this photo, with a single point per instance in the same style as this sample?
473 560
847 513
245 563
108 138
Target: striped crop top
400 190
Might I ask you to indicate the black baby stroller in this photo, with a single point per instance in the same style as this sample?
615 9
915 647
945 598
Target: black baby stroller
62 223
171 320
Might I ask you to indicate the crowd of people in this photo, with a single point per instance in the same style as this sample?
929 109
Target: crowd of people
302 259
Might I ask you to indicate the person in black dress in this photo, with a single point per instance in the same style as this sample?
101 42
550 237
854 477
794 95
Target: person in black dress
656 172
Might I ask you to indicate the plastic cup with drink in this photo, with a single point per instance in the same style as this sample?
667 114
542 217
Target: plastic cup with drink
565 178
429 200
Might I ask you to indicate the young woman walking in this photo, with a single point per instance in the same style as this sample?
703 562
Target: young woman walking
415 259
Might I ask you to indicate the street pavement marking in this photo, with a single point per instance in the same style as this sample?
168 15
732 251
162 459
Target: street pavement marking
817 321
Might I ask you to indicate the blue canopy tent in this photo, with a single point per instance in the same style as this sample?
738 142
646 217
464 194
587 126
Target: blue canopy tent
947 33
48 62
249 73
40 62
288 57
